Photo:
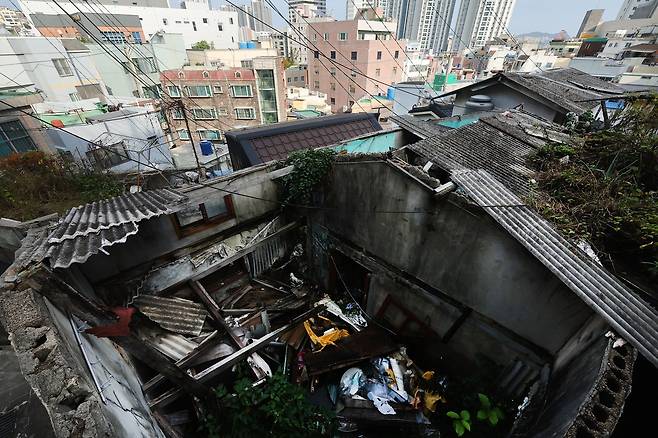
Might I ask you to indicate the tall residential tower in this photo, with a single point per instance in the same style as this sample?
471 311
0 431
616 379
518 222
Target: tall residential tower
481 20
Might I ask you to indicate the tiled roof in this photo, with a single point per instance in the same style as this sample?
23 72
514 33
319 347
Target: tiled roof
627 314
274 142
174 314
87 229
213 75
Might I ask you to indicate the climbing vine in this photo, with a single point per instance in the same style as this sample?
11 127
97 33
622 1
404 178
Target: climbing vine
310 168
605 189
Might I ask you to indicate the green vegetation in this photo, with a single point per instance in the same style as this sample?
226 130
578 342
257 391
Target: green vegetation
34 184
605 189
461 422
276 409
310 169
202 45
488 411
288 62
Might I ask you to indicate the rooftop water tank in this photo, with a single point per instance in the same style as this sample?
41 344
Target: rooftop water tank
206 147
251 44
390 93
242 45
479 102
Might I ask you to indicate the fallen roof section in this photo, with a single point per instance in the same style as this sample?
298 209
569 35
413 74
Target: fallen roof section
88 229
630 316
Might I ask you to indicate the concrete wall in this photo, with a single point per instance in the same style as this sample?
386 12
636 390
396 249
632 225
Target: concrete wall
464 255
157 237
504 97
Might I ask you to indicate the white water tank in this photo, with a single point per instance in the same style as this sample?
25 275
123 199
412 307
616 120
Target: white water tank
478 102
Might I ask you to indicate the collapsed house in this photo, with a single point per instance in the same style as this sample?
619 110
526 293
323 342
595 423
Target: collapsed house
126 312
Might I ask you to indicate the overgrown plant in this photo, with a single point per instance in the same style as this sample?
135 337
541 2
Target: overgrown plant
34 184
461 422
310 169
488 411
606 191
277 409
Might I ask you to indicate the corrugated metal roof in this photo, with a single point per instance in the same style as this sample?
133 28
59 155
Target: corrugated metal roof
480 146
418 126
87 229
631 317
170 344
174 314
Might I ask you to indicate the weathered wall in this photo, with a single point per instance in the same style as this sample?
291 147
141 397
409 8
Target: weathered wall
503 98
157 236
460 253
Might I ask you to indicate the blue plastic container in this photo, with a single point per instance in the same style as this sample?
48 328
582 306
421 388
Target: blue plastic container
242 45
390 93
206 147
251 44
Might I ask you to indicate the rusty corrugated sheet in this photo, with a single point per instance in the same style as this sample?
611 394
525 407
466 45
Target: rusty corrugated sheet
174 314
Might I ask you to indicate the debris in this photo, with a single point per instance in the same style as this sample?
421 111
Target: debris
328 338
355 319
119 328
174 314
351 381
381 404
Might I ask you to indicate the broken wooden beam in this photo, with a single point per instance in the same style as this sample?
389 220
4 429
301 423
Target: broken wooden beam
221 366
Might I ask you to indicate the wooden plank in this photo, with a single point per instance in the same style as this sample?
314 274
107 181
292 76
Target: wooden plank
167 428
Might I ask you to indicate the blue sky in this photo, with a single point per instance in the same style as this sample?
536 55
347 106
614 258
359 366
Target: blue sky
529 15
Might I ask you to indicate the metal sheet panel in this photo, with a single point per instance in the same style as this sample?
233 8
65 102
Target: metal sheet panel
630 316
174 314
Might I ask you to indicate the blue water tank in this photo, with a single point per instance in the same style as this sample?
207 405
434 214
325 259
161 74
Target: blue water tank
390 93
251 44
242 45
206 147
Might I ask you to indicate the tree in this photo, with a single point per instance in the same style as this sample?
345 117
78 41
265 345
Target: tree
201 45
288 62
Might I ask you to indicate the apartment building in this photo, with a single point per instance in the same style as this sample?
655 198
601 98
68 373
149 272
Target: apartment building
426 22
89 27
218 100
195 21
304 18
365 47
638 9
479 21
14 21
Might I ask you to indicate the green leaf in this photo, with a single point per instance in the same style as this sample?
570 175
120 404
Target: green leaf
481 415
484 400
493 418
499 412
453 414
459 428
467 425
465 415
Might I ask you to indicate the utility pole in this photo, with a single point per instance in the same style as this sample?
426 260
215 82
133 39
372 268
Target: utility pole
181 106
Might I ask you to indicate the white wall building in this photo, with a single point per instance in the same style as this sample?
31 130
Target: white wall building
638 9
479 21
197 22
615 46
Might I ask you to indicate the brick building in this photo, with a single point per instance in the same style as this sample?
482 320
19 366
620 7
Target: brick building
367 47
220 100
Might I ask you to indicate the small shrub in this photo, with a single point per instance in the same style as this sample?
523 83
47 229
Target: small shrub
310 169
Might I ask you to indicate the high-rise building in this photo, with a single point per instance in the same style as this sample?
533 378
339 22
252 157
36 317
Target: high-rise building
307 8
590 21
638 9
479 21
426 22
260 10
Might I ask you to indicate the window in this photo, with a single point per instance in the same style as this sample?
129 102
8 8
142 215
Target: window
378 71
245 113
62 66
108 156
209 134
395 70
325 37
74 97
145 65
177 114
241 91
316 54
238 74
220 27
332 71
352 89
332 100
205 75
113 37
152 91
316 85
137 37
183 135
332 54
230 20
342 36
14 138
247 63
379 55
332 86
199 217
353 56
223 111
350 103
198 90
205 20
397 53
353 74
217 89
164 21
181 75
204 113
194 26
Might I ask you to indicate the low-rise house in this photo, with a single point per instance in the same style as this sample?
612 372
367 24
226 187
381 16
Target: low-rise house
549 94
303 99
119 299
20 132
253 146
